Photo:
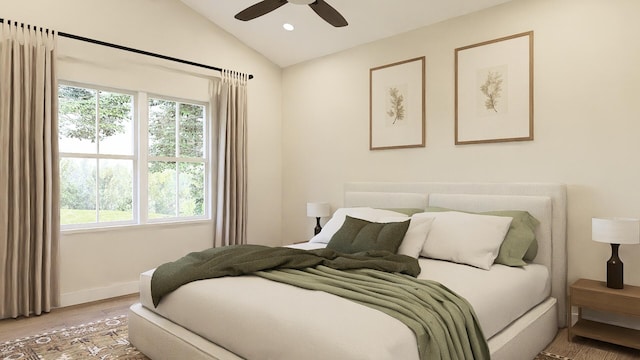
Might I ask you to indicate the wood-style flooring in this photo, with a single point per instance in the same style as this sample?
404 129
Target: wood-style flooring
60 318
587 349
10 329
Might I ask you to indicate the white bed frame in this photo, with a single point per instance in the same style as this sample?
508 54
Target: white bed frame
160 338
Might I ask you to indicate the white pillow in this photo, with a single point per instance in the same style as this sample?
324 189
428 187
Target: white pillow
364 213
464 238
416 234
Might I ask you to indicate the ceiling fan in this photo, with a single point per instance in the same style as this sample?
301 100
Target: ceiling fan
324 10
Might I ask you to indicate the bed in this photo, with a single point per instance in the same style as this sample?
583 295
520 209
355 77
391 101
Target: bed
519 308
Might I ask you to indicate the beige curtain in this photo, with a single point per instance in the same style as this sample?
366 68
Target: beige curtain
29 214
229 101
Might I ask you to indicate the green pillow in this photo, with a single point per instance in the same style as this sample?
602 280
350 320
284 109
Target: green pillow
520 242
357 235
532 251
405 211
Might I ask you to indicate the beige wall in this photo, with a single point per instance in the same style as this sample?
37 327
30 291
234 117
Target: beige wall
100 264
303 149
587 119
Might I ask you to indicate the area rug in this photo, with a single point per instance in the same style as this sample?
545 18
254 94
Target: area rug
549 356
105 339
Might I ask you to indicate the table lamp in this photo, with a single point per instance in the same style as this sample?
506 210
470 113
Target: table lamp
615 231
318 210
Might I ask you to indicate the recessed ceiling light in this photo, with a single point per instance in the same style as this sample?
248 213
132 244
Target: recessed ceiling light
288 27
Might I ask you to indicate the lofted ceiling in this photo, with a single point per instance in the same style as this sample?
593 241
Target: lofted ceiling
369 20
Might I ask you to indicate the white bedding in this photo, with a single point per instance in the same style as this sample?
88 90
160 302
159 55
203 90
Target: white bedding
340 328
515 290
499 295
219 309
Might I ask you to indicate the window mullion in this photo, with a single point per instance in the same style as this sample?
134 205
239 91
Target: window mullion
97 190
97 132
135 208
143 150
177 157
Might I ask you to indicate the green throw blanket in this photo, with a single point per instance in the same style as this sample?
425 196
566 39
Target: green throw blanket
444 324
247 259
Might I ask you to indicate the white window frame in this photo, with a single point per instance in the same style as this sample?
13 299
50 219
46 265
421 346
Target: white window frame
140 157
206 159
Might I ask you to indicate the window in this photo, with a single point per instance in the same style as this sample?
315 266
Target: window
101 172
176 163
96 155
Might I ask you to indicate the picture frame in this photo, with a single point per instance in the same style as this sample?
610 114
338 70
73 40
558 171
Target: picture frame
397 105
494 90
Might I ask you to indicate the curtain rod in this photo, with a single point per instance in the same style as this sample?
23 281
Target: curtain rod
137 51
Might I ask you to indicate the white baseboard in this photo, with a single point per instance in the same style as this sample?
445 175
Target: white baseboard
95 294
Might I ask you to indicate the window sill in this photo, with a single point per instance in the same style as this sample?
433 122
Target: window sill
129 227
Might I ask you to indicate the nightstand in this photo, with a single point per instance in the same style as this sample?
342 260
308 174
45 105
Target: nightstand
596 295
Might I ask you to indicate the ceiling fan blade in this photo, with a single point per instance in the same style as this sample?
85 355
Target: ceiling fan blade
328 13
259 9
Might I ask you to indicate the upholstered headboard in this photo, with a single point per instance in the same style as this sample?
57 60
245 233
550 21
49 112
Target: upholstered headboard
547 202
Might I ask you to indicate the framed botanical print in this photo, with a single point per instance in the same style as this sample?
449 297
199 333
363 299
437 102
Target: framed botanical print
396 105
494 90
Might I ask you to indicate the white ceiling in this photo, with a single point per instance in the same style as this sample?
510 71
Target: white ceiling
369 20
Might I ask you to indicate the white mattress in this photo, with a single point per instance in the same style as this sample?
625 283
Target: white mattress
220 310
498 296
513 290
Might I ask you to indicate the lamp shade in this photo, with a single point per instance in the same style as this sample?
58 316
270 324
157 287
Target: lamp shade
615 230
318 210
